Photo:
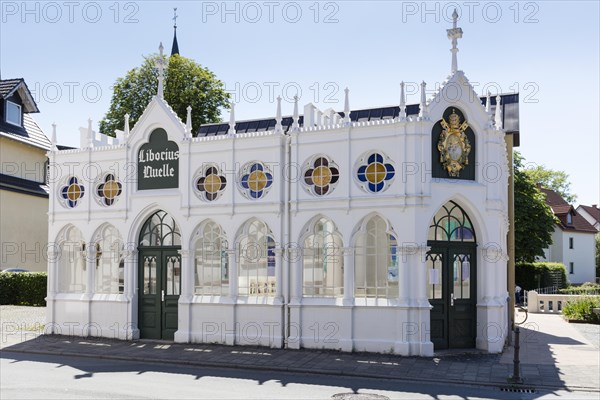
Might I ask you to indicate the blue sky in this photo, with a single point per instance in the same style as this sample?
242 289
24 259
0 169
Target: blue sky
70 53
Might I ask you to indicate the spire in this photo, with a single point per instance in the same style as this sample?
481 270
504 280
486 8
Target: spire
454 34
488 106
402 115
232 119
175 47
498 119
347 107
160 64
296 117
278 126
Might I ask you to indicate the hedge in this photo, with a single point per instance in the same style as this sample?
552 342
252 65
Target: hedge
540 274
582 309
23 288
586 289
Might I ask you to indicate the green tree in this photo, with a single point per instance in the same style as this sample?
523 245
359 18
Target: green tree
551 179
534 220
187 83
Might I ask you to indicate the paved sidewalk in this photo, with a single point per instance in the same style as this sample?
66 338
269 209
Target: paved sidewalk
555 356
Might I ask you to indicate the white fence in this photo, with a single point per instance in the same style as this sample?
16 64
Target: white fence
547 303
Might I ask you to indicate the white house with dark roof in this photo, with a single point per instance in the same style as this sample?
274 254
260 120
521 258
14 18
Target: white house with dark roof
379 230
591 214
23 175
572 240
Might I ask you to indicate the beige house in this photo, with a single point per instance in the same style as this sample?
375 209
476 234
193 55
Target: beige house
23 178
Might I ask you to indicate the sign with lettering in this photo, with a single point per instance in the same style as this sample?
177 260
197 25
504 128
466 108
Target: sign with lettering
158 162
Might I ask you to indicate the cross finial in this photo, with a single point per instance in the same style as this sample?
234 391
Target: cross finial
160 64
175 17
454 34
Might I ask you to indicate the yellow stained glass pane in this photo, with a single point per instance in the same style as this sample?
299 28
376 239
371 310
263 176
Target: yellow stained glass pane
321 176
375 172
212 183
111 189
257 181
73 192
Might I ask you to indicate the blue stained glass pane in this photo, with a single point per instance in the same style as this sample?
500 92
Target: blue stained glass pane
64 192
72 203
389 168
245 181
372 187
362 177
389 176
380 186
82 189
72 180
256 167
371 159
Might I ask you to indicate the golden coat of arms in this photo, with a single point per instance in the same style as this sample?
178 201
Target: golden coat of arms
454 145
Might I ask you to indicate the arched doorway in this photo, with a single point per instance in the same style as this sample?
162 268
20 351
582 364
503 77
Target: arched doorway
451 278
159 276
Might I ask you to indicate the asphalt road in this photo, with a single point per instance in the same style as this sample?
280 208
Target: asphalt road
28 376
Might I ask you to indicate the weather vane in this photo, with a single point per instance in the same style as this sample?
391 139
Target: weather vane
174 17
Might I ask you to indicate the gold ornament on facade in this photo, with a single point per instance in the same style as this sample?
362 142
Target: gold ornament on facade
454 145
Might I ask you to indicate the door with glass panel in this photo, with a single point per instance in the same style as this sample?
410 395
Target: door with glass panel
159 277
451 279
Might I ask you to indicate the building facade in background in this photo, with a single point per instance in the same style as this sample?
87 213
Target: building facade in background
23 176
572 240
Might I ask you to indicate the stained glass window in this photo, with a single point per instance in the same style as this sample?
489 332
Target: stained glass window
451 223
375 172
256 180
321 175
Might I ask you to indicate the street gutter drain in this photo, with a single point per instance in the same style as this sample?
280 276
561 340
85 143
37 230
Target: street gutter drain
513 389
358 396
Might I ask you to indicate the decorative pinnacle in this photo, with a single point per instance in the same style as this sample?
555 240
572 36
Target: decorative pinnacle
296 117
54 136
454 34
402 115
126 128
188 121
232 119
347 107
278 126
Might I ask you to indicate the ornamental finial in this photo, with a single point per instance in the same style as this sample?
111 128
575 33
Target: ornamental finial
454 34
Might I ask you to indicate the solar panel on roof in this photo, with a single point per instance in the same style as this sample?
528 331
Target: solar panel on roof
252 126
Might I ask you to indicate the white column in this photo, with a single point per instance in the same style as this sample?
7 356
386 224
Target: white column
296 275
53 254
182 335
131 330
90 266
348 276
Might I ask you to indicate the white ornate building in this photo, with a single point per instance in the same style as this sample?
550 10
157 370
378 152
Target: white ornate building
378 230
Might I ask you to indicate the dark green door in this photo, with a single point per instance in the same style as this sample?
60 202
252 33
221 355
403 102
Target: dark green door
160 285
159 277
451 281
452 293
